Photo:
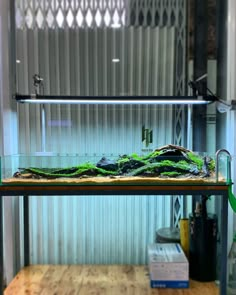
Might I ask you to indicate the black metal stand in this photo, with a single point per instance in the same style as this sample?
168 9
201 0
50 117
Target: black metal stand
159 189
26 230
224 242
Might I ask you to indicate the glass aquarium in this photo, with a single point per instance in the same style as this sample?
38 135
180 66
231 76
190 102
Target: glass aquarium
168 164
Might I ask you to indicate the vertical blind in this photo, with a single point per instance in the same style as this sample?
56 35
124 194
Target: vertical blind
78 58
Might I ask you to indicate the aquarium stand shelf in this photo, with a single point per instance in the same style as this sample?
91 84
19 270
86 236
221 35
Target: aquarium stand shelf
27 190
94 279
112 189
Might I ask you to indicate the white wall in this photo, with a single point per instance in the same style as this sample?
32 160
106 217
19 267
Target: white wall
9 145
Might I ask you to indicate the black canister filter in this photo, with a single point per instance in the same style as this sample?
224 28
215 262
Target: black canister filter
203 247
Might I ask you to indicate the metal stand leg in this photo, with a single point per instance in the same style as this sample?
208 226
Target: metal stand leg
224 242
1 247
26 230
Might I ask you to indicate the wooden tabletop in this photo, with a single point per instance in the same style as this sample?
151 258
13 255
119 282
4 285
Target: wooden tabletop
95 279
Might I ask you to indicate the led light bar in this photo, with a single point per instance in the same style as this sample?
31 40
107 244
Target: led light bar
173 100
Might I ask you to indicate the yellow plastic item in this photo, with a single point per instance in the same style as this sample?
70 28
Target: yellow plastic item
184 235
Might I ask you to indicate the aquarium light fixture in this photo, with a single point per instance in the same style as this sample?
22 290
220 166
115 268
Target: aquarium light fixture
157 100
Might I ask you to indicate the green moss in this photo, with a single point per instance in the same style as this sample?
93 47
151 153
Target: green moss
122 161
171 173
166 163
124 158
181 164
127 159
211 165
81 170
105 172
152 155
196 159
136 157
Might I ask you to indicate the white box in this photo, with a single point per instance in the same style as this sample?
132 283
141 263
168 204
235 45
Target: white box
168 266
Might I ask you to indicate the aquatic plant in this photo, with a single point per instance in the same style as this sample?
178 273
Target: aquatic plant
168 161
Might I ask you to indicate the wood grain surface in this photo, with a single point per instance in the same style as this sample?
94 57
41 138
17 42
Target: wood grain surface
94 280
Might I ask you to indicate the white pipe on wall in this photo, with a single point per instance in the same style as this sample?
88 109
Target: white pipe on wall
231 94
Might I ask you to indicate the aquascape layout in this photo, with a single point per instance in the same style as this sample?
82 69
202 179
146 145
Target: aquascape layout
167 163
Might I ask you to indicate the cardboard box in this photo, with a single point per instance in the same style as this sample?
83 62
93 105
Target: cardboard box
168 266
